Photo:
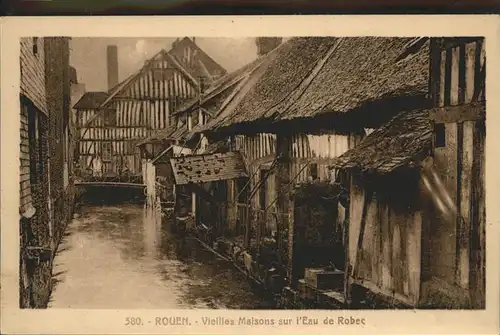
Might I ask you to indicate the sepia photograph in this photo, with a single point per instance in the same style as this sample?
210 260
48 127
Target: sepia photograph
240 175
252 173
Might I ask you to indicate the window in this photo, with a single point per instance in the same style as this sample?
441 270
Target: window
313 171
107 151
35 46
439 135
110 118
203 118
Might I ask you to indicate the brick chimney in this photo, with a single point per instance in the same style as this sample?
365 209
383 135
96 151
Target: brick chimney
266 44
112 65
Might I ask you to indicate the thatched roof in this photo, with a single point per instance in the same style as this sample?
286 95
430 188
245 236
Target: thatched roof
309 76
292 64
220 89
406 139
362 70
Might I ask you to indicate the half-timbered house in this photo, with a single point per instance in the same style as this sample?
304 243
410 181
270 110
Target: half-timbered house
309 101
417 212
141 105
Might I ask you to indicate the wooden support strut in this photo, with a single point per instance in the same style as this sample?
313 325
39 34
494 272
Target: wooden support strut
458 114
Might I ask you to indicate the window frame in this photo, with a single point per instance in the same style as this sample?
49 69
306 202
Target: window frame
439 135
107 155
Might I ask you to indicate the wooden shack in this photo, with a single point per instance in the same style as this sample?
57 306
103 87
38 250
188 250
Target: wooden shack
417 213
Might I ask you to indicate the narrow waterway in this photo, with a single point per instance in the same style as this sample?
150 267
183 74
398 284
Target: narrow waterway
120 257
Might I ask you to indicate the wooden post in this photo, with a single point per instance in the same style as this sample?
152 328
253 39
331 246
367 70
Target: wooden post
284 203
231 206
477 284
248 224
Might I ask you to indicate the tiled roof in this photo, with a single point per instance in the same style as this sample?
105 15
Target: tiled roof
208 167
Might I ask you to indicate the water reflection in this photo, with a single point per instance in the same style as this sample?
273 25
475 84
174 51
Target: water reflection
122 257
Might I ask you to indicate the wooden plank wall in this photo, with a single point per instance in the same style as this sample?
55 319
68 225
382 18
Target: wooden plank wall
143 106
460 164
24 156
32 65
387 260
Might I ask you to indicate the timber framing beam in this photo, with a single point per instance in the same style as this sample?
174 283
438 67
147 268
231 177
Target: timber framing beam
458 114
452 42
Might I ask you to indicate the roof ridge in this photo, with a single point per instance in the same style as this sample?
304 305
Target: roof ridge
266 60
200 49
182 68
128 81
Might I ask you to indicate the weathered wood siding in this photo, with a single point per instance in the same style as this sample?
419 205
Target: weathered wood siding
25 186
457 247
32 58
431 251
384 237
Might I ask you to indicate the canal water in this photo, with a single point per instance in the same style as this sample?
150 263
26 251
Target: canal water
119 256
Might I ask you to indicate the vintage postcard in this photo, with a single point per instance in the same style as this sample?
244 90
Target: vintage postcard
229 175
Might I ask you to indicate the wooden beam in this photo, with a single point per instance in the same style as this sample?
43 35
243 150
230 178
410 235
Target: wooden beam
452 42
458 114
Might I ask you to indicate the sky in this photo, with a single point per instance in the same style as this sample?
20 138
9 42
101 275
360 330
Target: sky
88 55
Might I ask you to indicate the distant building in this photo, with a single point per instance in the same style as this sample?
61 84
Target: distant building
110 123
77 92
